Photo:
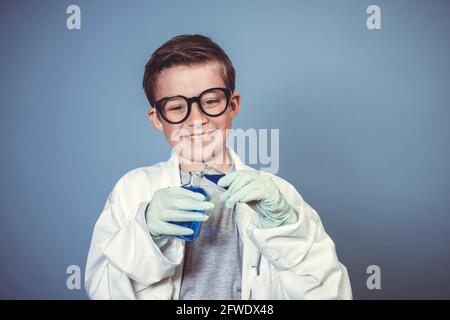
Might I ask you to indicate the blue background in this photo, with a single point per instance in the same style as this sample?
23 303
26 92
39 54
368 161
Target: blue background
363 117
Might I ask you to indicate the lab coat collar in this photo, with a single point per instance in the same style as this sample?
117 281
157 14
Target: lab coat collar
174 163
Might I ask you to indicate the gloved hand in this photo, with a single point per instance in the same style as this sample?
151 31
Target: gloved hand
261 194
174 204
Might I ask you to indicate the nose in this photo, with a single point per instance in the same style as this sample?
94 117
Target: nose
197 117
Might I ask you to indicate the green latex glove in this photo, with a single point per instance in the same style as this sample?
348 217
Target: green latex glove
260 193
174 204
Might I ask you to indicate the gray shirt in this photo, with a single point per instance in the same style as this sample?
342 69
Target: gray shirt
213 262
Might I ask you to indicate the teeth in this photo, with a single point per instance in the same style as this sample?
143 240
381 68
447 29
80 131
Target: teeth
200 135
204 134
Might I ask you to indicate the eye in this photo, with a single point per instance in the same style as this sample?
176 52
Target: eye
211 101
175 108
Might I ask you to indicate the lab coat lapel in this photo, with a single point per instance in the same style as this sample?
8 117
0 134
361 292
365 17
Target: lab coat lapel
172 177
251 254
250 257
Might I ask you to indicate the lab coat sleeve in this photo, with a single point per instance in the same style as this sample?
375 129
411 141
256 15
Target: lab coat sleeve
302 255
123 257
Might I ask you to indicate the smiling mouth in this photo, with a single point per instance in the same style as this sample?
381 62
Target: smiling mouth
200 135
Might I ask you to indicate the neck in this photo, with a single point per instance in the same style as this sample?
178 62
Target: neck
221 162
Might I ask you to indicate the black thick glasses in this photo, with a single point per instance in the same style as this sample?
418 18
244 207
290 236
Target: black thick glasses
176 109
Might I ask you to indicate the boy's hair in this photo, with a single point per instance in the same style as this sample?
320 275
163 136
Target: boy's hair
186 50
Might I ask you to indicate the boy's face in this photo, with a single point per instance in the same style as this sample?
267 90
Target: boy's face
201 135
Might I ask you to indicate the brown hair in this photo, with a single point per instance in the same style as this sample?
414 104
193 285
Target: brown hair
186 50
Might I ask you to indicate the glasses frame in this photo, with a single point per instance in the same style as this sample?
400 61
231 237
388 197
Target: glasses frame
160 103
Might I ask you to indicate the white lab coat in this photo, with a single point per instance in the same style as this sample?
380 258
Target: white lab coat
293 261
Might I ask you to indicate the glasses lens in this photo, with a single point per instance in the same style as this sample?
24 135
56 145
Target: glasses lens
213 102
175 109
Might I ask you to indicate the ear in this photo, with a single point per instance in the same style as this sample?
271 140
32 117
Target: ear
235 104
154 118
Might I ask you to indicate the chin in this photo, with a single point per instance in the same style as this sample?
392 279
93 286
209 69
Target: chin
199 151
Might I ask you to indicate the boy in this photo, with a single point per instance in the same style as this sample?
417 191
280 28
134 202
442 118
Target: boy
259 239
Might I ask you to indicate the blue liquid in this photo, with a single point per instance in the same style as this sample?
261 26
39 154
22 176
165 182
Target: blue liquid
194 225
214 177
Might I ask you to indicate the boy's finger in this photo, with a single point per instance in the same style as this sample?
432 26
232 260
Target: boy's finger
181 216
191 204
237 184
227 179
185 193
174 230
246 194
